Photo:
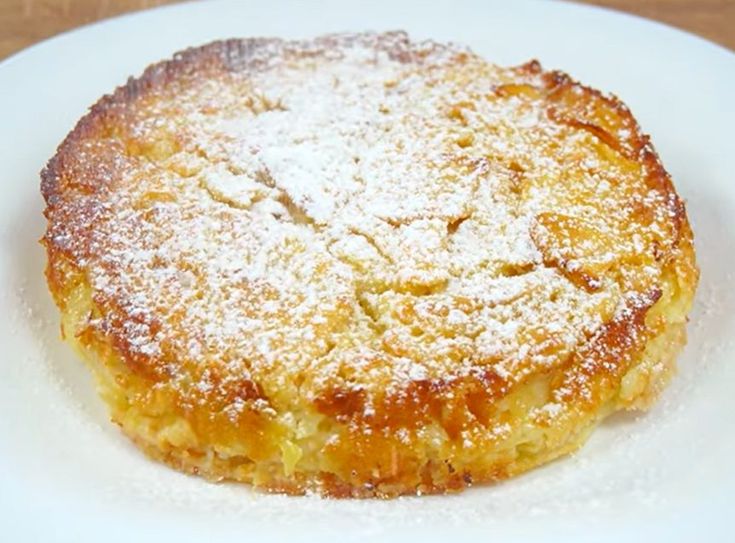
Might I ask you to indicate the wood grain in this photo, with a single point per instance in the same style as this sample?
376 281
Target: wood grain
25 22
711 19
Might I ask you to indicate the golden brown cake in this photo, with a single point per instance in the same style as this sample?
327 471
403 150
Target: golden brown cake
364 266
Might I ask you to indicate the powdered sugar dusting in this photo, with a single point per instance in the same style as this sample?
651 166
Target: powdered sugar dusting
369 216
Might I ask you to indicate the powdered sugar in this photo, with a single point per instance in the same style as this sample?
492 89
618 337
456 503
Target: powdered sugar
356 207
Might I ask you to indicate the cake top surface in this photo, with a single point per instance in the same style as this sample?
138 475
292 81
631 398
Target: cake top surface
267 222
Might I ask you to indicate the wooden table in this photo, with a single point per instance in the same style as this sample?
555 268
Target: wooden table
24 22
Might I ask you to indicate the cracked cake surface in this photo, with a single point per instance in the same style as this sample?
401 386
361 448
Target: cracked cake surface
364 266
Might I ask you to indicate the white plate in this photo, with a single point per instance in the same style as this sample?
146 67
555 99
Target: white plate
67 474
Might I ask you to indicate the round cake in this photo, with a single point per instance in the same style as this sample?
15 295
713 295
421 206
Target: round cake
361 266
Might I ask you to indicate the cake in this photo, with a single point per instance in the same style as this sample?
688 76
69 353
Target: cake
364 266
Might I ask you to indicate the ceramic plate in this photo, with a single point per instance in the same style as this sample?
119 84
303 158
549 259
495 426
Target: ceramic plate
67 474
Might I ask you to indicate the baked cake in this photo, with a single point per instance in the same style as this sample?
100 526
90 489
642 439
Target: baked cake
364 266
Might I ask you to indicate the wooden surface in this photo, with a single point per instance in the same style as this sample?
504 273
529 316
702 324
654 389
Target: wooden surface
24 22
